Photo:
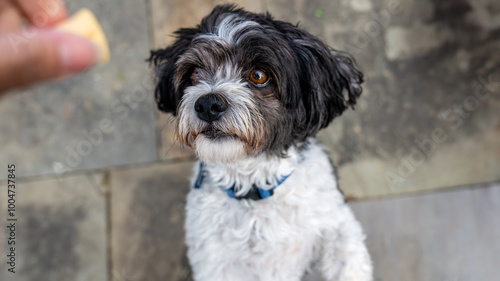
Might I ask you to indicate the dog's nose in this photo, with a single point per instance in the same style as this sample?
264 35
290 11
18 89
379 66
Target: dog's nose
210 107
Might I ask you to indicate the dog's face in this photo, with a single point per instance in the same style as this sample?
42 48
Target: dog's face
241 84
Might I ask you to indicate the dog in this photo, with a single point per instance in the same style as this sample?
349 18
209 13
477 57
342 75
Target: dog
248 94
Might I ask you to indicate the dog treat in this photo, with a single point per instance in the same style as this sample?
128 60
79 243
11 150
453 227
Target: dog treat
85 24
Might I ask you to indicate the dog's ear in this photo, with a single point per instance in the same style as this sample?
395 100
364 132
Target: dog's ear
328 83
164 60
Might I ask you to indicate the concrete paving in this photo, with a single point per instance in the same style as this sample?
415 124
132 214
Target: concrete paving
60 232
450 235
147 221
428 117
104 117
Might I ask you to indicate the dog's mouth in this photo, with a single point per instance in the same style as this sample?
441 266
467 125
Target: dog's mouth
214 134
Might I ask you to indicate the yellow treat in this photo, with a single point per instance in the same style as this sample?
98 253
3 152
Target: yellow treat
85 24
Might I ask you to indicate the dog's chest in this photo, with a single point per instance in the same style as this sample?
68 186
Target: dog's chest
270 239
283 231
251 224
263 237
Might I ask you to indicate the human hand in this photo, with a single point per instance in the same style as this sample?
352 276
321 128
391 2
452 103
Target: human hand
38 53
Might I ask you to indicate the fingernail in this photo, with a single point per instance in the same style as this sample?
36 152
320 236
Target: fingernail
76 53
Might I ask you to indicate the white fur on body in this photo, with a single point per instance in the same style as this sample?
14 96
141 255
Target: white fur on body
305 225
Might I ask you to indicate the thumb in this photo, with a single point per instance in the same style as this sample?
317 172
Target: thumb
29 57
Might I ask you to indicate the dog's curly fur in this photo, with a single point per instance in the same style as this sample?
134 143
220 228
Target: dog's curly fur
259 133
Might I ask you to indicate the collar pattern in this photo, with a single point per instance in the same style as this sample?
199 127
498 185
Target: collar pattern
255 193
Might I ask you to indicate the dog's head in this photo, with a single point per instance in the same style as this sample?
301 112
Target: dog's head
241 84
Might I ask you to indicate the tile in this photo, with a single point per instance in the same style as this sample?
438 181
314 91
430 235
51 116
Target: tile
167 17
103 117
60 230
427 118
147 210
450 235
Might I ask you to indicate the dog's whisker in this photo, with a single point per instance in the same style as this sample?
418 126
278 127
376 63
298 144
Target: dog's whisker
170 148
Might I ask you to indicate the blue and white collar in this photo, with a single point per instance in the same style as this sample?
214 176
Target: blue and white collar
255 193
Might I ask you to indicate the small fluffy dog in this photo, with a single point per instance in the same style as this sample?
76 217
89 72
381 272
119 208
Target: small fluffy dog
249 94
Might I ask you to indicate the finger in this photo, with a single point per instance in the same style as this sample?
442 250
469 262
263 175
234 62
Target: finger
10 18
42 55
41 13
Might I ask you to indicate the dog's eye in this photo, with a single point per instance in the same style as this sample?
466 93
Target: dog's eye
195 75
259 77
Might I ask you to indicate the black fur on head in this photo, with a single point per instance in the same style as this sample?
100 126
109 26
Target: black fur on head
311 82
167 97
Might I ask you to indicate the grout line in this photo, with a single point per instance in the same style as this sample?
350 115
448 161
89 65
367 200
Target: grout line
106 183
182 160
51 176
151 25
423 192
152 45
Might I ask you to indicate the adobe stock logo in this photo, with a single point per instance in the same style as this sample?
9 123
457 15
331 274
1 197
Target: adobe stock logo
365 33
454 117
121 108
84 147
40 18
